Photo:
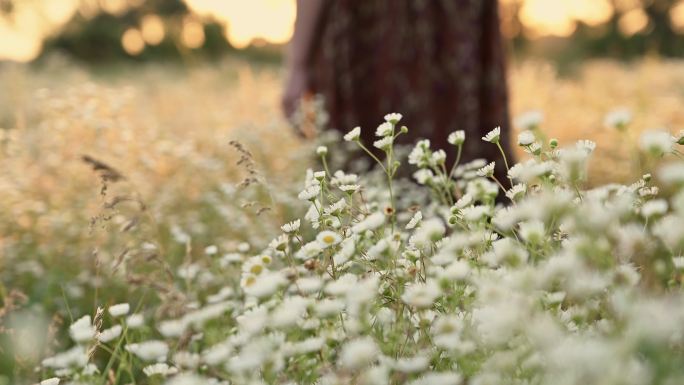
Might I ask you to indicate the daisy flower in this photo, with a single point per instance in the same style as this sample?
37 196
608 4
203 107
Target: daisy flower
529 120
110 334
493 136
291 227
526 138
384 143
516 192
152 350
618 118
119 309
359 353
487 170
82 330
384 129
421 295
393 117
456 138
328 238
161 369
349 188
310 192
656 142
353 135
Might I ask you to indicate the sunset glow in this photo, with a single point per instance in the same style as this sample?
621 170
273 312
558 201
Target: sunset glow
271 21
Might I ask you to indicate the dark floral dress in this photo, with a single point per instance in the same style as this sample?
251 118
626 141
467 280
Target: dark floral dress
440 63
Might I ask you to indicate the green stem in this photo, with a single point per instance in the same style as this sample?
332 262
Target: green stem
503 154
325 166
458 159
372 156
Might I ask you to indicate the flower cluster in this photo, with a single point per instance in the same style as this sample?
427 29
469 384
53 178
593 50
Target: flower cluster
560 285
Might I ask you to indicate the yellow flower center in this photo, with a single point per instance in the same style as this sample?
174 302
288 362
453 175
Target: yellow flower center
266 259
256 269
250 281
328 239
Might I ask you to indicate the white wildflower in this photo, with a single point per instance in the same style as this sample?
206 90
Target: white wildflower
152 350
135 321
310 193
266 285
328 238
440 378
517 192
529 120
421 295
653 208
384 129
532 231
82 330
160 369
526 138
211 250
438 157
456 138
493 136
487 170
74 357
672 173
587 146
349 188
110 334
353 135
119 310
618 118
384 143
393 117
358 353
656 143
423 176
412 365
371 222
420 155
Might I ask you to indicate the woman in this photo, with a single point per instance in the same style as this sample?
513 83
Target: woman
440 63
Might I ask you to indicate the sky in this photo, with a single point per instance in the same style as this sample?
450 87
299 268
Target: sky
247 22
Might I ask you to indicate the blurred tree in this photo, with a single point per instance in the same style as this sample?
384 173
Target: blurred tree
98 37
96 31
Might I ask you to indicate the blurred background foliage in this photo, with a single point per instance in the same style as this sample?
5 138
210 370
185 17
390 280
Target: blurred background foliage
97 31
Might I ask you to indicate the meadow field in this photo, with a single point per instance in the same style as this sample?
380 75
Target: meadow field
167 189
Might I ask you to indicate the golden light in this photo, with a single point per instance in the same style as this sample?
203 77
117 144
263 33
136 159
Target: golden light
677 17
627 5
247 21
591 12
115 7
132 42
633 22
543 17
152 28
59 12
18 46
192 34
22 35
88 9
